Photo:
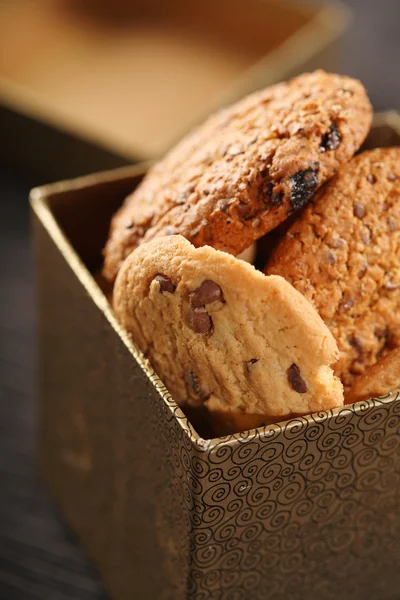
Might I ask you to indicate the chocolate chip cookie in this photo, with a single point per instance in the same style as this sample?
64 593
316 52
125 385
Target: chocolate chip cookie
381 379
343 254
222 335
247 168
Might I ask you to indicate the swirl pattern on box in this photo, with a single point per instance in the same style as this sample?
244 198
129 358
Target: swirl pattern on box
270 513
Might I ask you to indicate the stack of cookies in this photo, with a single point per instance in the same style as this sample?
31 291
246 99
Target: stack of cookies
244 347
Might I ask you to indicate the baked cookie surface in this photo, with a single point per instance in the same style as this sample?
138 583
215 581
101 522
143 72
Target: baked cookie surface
381 379
246 168
343 254
220 334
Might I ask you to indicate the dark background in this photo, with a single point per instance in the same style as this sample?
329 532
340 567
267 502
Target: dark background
39 559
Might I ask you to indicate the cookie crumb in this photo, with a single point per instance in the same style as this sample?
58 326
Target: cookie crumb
392 285
168 230
392 177
235 149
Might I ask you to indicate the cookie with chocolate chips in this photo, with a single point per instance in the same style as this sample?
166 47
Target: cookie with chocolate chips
247 168
222 335
343 254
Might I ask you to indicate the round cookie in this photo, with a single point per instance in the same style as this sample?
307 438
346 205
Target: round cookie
343 254
246 168
220 334
381 379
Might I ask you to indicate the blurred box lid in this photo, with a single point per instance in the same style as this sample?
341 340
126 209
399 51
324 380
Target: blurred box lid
128 83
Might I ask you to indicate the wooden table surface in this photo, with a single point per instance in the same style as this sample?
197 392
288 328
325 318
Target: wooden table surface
39 559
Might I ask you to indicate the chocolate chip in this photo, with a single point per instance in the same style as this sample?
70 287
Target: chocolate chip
296 381
330 258
392 285
380 333
276 198
165 284
356 342
223 205
330 140
193 382
393 339
129 225
356 368
336 243
392 224
200 321
392 177
185 195
206 192
207 293
371 178
358 210
264 192
242 210
363 269
303 185
366 238
250 363
346 304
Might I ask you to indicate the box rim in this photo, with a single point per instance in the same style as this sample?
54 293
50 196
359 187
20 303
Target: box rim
333 15
38 198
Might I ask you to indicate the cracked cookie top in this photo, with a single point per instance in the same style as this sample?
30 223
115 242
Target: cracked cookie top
246 168
343 254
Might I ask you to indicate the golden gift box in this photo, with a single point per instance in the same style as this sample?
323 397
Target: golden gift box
306 508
